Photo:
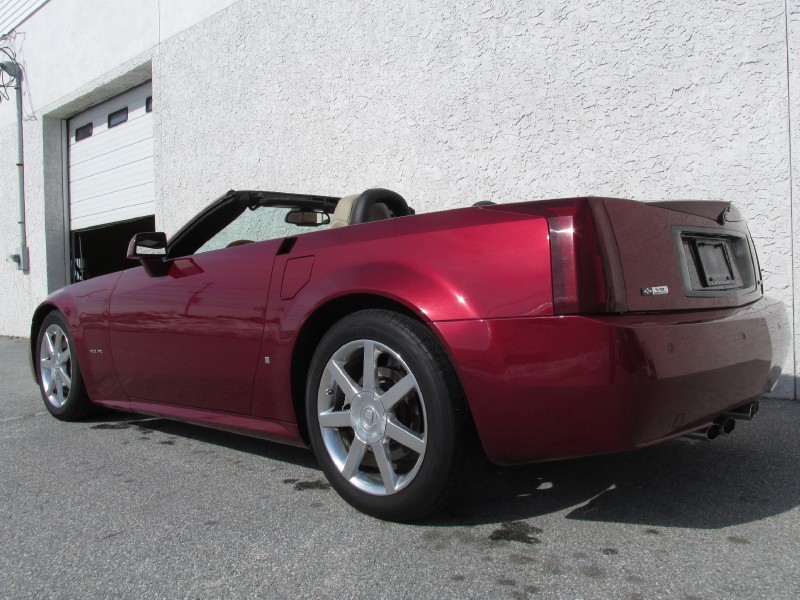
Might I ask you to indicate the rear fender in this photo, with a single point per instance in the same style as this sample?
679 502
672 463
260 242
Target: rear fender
420 293
470 265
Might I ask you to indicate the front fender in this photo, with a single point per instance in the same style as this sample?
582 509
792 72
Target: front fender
85 307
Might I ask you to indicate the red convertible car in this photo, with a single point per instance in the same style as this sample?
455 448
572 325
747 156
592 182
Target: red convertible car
396 345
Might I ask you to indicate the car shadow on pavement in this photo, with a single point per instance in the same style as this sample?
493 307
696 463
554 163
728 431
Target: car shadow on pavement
743 477
112 419
746 476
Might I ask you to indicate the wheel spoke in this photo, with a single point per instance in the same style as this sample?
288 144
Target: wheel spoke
60 393
50 348
385 465
66 355
47 363
354 458
335 419
49 389
343 380
404 436
369 366
66 378
397 392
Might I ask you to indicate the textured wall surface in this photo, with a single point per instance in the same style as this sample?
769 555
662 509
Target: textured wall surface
18 291
69 43
75 53
453 102
793 52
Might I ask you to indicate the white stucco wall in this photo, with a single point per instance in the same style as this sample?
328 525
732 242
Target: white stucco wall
70 43
67 48
793 76
18 290
453 102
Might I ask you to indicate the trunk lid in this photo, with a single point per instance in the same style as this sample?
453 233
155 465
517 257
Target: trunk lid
683 255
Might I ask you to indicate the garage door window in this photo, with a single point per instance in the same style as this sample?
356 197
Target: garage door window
81 133
118 117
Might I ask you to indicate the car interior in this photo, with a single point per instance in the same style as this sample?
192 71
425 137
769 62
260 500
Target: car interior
374 204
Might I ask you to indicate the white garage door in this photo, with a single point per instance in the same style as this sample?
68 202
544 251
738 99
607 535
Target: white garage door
111 161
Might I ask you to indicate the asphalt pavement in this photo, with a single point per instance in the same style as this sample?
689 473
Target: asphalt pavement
133 507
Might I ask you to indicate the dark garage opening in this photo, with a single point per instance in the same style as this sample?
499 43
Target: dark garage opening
100 250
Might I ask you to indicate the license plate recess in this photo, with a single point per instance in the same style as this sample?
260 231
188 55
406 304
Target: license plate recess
714 264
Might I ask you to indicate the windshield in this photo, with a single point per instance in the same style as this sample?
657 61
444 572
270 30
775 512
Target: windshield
245 216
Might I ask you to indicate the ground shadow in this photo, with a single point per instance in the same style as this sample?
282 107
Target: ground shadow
111 419
744 477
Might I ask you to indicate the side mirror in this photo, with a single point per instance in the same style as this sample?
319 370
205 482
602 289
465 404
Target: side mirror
147 245
150 249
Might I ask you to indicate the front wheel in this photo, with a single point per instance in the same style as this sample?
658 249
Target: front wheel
387 419
60 379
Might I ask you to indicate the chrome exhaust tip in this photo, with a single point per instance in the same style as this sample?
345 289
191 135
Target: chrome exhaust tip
726 425
709 433
713 432
746 412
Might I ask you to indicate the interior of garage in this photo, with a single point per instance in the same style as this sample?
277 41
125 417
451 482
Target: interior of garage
101 250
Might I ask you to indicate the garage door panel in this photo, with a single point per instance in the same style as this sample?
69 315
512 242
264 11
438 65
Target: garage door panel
136 194
114 216
112 140
100 125
113 180
122 204
111 171
98 115
116 159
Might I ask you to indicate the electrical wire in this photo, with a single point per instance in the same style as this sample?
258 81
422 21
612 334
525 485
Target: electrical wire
6 81
9 46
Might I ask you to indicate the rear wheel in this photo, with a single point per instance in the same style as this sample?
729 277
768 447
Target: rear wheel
387 419
60 380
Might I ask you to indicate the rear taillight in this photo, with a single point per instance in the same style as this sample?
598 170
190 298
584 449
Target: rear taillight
585 266
576 261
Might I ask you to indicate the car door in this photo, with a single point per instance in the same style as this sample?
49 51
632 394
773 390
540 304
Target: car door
192 336
189 333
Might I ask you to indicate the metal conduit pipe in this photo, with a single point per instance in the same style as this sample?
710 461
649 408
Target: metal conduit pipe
21 255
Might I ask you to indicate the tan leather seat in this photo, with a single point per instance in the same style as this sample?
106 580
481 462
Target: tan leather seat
344 208
344 211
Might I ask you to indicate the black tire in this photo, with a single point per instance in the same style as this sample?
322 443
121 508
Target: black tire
58 373
361 433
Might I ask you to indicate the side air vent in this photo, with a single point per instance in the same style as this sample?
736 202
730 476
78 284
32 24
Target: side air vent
287 245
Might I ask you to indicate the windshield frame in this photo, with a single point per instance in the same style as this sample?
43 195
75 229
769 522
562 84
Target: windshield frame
228 207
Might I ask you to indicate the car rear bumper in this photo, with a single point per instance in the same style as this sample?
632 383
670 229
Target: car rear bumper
551 387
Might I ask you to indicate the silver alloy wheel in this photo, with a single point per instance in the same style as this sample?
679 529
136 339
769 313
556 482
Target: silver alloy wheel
372 417
55 366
